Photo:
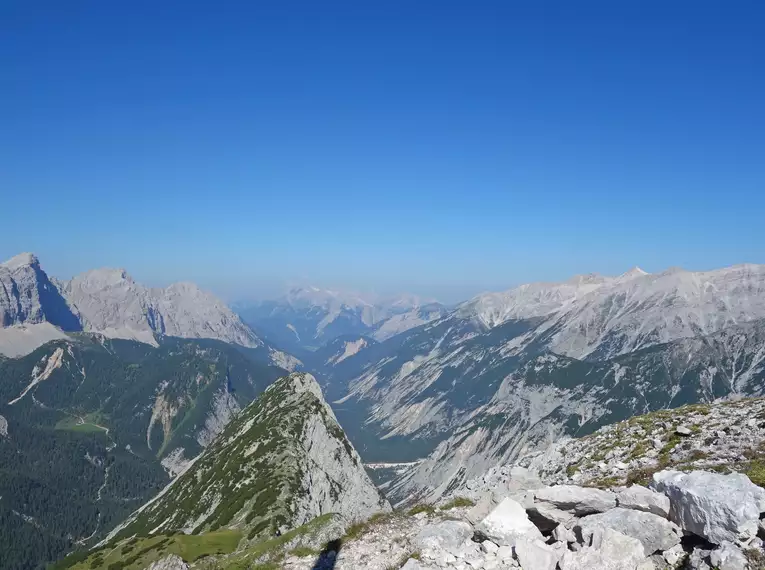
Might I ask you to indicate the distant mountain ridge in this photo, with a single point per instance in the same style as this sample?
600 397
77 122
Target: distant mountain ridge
306 318
35 309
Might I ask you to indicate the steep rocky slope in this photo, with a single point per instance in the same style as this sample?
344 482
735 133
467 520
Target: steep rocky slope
279 464
484 384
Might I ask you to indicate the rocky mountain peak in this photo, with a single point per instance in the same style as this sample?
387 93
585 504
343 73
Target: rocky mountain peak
21 260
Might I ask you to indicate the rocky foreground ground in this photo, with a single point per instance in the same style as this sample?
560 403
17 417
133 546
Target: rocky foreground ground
670 490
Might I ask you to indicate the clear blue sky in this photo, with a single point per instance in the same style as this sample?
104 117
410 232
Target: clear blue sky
440 147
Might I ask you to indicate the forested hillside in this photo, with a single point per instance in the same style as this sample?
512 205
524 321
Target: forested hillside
91 428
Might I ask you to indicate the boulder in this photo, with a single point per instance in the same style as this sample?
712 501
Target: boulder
536 555
639 498
578 500
507 523
728 557
654 532
443 537
547 517
716 507
673 555
411 564
610 550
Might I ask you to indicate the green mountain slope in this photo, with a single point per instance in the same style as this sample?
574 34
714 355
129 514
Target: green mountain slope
89 423
279 464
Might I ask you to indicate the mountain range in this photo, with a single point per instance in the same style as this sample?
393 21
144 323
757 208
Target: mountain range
307 318
110 391
35 309
508 371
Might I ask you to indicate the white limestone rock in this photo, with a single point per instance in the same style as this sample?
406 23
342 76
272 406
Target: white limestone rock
673 555
654 532
716 507
563 534
610 550
536 555
507 523
728 557
639 498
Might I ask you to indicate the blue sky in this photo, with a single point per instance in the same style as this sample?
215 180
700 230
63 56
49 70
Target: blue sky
438 147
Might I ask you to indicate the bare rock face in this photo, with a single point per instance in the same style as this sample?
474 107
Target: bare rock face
3 427
111 302
28 297
35 309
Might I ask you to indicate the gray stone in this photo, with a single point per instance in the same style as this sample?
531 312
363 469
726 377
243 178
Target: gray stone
507 523
578 500
489 547
536 555
610 550
563 534
445 536
673 555
699 559
547 517
728 557
682 430
654 532
411 564
639 498
717 507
